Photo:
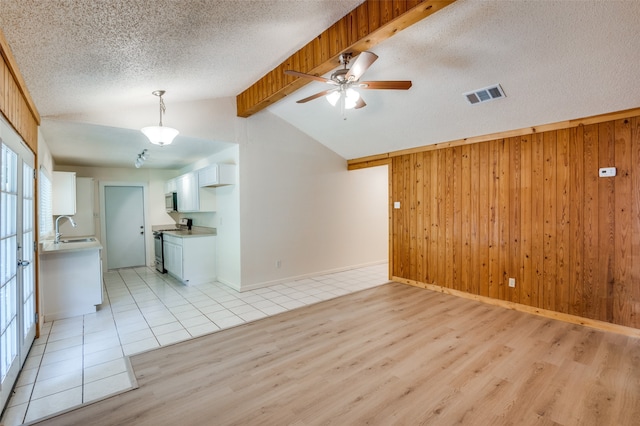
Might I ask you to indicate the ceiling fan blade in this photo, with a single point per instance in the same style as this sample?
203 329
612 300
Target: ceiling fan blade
362 63
396 85
360 103
313 77
316 96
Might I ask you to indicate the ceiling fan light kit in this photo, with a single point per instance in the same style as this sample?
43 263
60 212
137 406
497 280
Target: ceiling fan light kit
160 135
346 80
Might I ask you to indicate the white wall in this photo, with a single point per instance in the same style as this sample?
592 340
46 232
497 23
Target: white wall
300 206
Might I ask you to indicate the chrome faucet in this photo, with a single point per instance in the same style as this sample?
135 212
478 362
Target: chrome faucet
58 234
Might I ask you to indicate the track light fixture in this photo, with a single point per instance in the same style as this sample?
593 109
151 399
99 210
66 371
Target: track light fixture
142 157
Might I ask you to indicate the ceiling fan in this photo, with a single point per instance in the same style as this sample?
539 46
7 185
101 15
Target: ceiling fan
345 80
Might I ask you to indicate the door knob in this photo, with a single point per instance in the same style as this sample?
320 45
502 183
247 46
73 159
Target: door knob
24 263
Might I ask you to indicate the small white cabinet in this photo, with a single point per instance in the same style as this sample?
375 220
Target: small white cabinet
187 189
217 175
64 193
190 259
84 210
193 198
170 186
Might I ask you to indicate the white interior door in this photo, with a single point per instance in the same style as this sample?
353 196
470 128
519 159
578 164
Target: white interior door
17 277
124 226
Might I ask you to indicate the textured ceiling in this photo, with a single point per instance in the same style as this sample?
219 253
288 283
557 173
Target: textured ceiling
91 67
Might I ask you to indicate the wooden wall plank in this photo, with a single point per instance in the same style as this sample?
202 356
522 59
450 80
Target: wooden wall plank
465 229
413 182
576 222
474 216
493 283
549 217
621 292
426 209
483 219
563 241
591 234
525 220
504 167
433 219
606 202
448 217
632 318
457 217
537 219
440 219
515 175
3 75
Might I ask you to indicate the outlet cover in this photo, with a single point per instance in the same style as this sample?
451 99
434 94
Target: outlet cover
512 282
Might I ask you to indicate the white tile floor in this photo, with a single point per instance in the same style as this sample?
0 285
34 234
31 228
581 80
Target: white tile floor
81 359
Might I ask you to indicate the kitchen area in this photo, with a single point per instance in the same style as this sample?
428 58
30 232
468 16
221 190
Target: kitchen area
183 240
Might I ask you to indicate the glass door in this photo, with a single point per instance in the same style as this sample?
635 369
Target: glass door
17 277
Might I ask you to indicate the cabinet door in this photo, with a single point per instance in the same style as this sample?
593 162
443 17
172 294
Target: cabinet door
208 176
170 186
64 193
187 188
173 259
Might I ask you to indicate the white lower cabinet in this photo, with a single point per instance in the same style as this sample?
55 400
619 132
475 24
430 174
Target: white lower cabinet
190 259
71 282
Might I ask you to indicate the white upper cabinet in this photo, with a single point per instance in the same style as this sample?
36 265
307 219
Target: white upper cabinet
187 189
170 186
217 175
64 193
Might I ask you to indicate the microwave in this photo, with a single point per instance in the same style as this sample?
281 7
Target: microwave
171 202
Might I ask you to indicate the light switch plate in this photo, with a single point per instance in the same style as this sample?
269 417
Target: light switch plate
607 172
396 204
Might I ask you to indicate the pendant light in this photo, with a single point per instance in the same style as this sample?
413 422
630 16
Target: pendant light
160 135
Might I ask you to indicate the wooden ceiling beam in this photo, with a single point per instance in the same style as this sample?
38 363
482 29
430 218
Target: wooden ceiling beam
364 27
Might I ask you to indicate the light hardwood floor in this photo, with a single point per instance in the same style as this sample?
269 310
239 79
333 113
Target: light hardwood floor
393 354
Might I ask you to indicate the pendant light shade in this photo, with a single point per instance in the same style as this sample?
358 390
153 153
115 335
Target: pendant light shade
160 135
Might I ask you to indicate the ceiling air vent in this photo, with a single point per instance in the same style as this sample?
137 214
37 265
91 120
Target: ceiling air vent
484 95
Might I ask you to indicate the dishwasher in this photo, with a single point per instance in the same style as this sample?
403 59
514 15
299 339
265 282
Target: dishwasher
157 244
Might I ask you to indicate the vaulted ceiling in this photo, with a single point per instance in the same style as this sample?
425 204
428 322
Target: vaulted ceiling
91 68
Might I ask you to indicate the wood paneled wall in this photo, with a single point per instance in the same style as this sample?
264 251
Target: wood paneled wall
15 102
529 207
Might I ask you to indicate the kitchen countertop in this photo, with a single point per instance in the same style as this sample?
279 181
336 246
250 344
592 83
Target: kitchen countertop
196 231
49 246
182 231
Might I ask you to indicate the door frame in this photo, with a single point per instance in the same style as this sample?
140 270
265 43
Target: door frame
25 155
148 237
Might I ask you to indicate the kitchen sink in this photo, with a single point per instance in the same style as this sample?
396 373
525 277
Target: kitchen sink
79 240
